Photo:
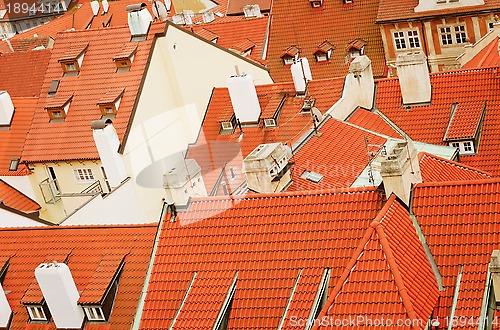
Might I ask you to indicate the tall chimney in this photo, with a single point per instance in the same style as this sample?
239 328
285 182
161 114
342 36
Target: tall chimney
61 295
361 82
6 108
414 79
5 310
244 98
139 19
301 74
400 169
107 143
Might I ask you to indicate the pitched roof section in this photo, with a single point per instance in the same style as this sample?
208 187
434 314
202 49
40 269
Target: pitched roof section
87 247
373 122
235 7
388 277
465 121
429 123
437 169
14 199
72 139
296 23
487 57
267 250
460 221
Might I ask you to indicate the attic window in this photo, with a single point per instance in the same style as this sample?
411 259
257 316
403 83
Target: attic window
94 313
38 313
123 60
324 51
57 108
270 122
316 3
355 48
54 85
312 176
227 127
72 60
109 103
290 55
14 164
348 2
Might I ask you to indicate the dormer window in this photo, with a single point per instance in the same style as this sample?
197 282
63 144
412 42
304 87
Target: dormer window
346 2
208 35
290 55
38 313
72 60
94 313
324 51
355 48
227 127
244 48
316 3
110 102
57 108
123 60
269 122
308 104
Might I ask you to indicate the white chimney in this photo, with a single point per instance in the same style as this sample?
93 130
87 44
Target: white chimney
301 74
61 295
139 19
6 108
361 83
414 79
244 98
267 168
95 7
107 143
400 169
105 6
208 17
252 11
5 310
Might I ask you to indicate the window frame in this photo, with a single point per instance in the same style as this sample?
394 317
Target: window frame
90 311
84 175
453 30
36 308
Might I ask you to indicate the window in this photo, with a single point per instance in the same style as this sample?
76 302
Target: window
490 26
84 175
468 146
14 164
312 176
455 145
288 60
460 35
453 35
71 61
94 313
269 122
446 35
399 40
413 39
37 313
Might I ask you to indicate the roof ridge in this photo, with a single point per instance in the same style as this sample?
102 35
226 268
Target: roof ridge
19 192
458 182
422 154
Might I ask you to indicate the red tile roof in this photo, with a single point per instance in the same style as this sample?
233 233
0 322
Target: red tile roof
460 221
388 277
373 122
340 155
465 121
87 247
404 10
437 169
487 57
14 199
23 73
235 7
295 23
12 140
429 123
213 150
267 239
72 139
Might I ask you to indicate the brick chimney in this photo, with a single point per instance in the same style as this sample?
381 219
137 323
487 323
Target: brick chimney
414 79
400 169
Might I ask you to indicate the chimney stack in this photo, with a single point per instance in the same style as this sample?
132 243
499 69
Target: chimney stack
60 293
400 169
301 74
5 310
361 81
494 269
414 79
139 19
244 98
6 108
107 143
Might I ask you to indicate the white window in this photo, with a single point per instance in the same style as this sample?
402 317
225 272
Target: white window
406 39
288 59
453 35
446 35
36 313
464 147
455 145
468 146
94 313
84 175
269 122
460 35
413 39
399 40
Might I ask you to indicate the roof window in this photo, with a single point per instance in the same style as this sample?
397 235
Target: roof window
324 51
227 127
72 60
355 48
320 299
316 3
125 57
110 102
270 122
54 85
308 104
290 55
57 108
14 164
312 176
38 313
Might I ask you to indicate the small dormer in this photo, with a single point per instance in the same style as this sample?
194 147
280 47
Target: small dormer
244 48
57 108
208 35
316 3
110 102
227 126
355 48
72 60
290 55
323 51
123 60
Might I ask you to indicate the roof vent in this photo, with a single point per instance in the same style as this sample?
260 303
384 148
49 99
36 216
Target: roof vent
6 109
252 11
139 20
60 293
95 7
208 17
105 6
244 98
301 74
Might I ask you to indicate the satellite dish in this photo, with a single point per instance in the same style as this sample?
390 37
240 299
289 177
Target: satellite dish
95 7
105 6
159 10
168 5
316 114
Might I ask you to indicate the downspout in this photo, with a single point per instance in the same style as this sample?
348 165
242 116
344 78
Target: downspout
424 39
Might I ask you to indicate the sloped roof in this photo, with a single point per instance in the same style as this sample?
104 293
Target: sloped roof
460 221
340 154
438 169
235 7
388 277
373 122
429 123
487 57
14 199
294 22
23 73
267 239
213 150
72 139
87 247
392 11
465 121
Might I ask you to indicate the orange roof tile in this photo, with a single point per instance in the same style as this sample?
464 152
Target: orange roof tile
357 43
126 51
460 221
217 237
437 169
487 57
72 139
465 121
111 95
373 122
389 277
325 46
86 246
296 23
74 52
14 199
429 123
206 34
23 73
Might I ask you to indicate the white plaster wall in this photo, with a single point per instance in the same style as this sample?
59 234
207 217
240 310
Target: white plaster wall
21 183
9 219
426 5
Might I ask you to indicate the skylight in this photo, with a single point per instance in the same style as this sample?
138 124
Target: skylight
312 176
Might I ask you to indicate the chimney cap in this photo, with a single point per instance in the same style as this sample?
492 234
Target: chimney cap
101 123
411 58
135 7
359 64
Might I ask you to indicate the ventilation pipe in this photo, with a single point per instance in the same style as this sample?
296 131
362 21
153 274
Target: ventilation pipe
301 74
60 293
107 143
414 79
244 98
5 310
139 19
6 108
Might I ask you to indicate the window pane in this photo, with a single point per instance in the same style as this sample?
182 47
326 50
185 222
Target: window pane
446 36
460 34
413 39
399 40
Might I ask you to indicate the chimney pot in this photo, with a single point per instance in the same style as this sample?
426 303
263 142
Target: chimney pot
414 79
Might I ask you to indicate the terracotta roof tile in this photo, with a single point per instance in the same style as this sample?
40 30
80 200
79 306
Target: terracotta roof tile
295 23
111 95
267 239
206 34
437 169
14 199
74 52
127 50
465 121
325 46
373 122
357 43
487 57
86 247
244 45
